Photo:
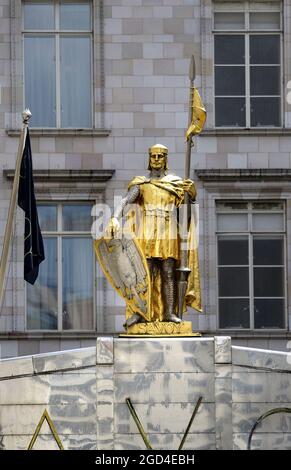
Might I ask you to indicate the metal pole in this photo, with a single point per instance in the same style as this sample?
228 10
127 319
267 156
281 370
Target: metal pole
138 423
190 423
26 115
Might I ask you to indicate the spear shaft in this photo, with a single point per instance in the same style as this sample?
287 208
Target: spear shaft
184 269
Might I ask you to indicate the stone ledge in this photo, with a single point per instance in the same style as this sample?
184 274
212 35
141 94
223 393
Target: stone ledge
63 176
249 334
15 367
61 360
47 362
58 335
34 132
263 131
244 174
261 358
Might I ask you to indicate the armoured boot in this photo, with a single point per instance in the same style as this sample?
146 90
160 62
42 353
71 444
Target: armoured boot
169 288
135 318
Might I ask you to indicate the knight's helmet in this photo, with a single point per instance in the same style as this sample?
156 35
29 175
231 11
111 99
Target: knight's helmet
158 148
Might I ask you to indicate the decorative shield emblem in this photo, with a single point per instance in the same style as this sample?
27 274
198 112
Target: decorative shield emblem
126 268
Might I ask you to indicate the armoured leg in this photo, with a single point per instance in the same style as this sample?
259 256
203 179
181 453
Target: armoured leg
169 289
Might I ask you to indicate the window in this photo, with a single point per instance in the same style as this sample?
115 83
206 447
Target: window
247 70
63 296
58 62
251 264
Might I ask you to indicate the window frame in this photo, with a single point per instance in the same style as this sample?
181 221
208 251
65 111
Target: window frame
59 234
250 234
57 33
246 9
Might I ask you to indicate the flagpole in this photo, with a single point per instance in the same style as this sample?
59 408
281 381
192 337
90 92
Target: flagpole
26 115
184 269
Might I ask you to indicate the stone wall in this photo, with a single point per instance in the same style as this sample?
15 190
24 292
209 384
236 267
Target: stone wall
85 390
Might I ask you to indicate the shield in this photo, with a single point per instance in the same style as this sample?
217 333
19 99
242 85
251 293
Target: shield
125 266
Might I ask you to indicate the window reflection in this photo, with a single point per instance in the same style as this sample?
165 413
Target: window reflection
247 56
57 67
40 84
251 264
47 216
75 81
65 302
75 15
77 284
42 304
39 15
77 217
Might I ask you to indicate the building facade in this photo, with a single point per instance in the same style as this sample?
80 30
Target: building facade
104 80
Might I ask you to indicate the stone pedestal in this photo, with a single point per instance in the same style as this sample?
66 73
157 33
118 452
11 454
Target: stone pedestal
164 378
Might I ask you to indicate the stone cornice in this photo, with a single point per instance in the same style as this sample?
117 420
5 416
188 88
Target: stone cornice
261 174
67 176
80 184
34 132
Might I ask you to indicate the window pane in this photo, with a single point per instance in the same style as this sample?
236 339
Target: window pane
75 15
269 313
233 282
229 49
265 49
233 250
268 206
77 284
229 20
47 216
234 313
77 217
266 20
40 88
268 250
39 15
230 112
76 81
42 304
232 222
265 80
229 80
268 222
265 112
233 205
268 282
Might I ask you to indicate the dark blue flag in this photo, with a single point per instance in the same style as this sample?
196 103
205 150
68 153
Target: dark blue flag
33 242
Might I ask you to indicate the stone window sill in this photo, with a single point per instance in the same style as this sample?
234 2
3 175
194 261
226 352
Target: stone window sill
77 335
262 131
51 132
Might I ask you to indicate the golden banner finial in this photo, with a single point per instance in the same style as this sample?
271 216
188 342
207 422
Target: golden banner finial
198 115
